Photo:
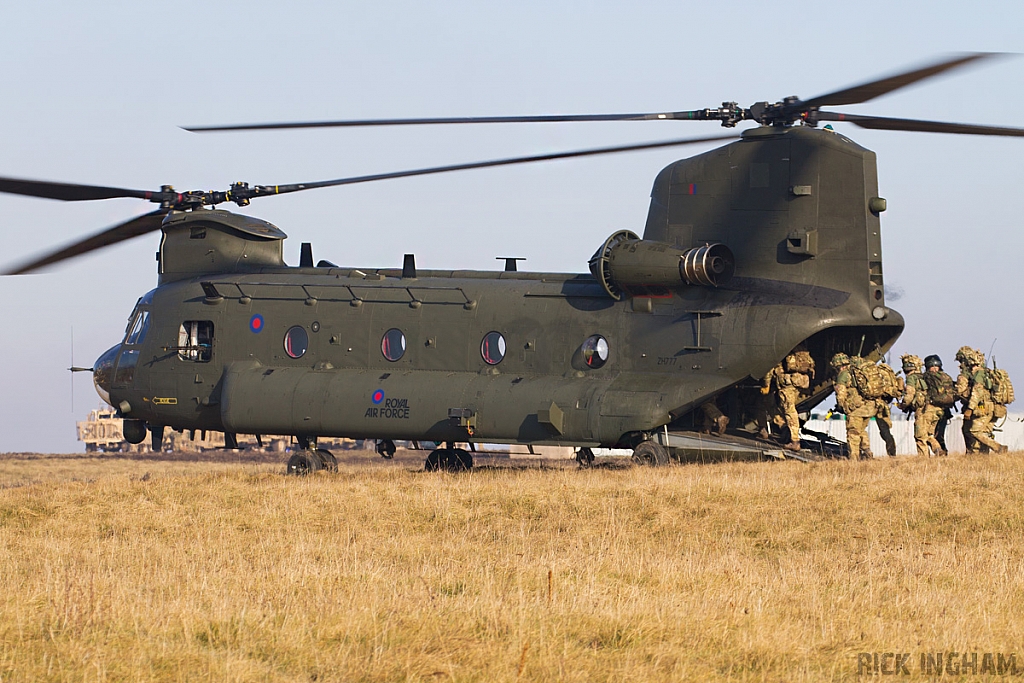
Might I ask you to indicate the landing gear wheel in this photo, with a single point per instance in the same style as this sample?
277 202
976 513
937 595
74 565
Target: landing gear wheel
463 460
386 448
585 458
650 454
327 460
303 463
448 460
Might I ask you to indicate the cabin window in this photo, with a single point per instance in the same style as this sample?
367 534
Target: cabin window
126 363
492 348
393 344
595 351
195 341
296 342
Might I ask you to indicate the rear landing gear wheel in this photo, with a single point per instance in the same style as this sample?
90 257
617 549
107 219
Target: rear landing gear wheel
327 460
304 462
585 458
650 454
386 448
448 460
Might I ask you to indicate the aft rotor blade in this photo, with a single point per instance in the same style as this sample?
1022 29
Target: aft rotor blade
869 91
68 192
141 225
917 125
296 187
555 118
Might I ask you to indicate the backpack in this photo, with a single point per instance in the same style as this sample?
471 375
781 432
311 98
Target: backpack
876 380
1002 388
941 389
800 361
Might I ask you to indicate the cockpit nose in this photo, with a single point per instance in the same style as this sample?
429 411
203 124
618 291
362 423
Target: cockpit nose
103 372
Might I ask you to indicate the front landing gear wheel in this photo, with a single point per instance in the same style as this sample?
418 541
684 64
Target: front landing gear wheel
303 463
650 454
327 460
448 460
585 458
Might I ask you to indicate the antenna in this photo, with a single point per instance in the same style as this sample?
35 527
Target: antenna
991 352
71 370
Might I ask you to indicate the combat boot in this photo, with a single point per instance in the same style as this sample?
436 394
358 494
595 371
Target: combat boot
721 422
792 446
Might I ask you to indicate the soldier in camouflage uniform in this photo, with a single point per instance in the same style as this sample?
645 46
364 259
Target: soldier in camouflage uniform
792 385
933 364
979 407
963 394
915 399
882 415
858 410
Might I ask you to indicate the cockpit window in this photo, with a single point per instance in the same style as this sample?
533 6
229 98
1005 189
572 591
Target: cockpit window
195 341
138 329
126 363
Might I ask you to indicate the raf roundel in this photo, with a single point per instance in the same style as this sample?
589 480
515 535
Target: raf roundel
378 397
256 323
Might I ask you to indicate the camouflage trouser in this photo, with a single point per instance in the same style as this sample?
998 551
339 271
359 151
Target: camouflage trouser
981 428
788 398
883 419
857 430
925 420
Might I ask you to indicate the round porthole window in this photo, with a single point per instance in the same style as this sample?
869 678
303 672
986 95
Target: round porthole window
595 351
296 342
492 348
393 344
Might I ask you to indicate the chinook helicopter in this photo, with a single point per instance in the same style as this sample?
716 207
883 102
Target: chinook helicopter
767 244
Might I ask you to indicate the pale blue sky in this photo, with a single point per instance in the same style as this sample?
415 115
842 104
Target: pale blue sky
94 92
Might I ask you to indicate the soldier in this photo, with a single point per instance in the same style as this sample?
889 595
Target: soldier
963 394
713 420
883 413
858 410
933 366
792 380
916 399
980 407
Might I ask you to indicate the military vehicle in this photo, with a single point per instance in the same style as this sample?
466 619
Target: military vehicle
750 250
102 432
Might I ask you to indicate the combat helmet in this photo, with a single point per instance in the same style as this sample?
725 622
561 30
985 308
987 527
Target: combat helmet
963 354
911 363
933 361
840 359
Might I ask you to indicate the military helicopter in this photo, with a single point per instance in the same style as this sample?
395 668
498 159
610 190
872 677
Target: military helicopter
769 243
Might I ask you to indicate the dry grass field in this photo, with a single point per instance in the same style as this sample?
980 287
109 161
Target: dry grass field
230 571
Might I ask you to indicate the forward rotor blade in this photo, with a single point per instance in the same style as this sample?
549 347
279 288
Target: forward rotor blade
141 225
557 118
869 91
916 125
68 192
296 187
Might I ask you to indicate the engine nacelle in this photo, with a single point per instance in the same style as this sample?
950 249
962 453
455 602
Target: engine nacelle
628 265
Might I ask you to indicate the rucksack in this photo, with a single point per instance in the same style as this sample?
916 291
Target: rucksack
1002 388
941 388
800 361
875 380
